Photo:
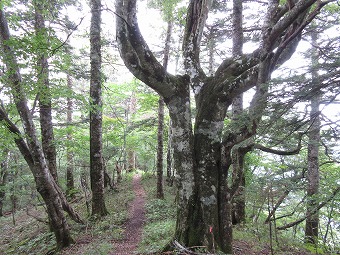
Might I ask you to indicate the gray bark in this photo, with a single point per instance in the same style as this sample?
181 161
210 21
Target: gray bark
238 203
159 164
313 176
169 160
69 151
45 105
96 147
3 178
160 136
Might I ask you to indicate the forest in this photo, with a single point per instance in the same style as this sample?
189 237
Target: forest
170 127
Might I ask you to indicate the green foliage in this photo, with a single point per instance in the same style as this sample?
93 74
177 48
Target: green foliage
161 216
166 6
100 248
157 235
4 3
37 245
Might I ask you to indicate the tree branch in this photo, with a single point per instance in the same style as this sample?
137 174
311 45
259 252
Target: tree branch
19 141
278 152
136 53
317 208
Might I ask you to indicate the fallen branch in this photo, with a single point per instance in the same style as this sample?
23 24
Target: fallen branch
184 250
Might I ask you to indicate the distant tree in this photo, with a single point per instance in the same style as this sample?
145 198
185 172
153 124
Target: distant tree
69 151
96 146
202 152
238 154
3 178
313 176
168 12
45 104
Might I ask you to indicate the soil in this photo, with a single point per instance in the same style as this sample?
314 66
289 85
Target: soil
134 225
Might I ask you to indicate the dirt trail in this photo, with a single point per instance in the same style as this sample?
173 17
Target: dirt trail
133 227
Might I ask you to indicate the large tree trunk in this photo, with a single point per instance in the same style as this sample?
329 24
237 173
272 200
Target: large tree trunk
204 197
96 147
313 177
182 138
45 105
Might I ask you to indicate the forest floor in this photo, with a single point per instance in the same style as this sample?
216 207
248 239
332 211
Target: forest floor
134 225
138 223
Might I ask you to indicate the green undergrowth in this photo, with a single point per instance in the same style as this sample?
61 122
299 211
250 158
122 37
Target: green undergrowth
254 238
160 217
96 237
29 236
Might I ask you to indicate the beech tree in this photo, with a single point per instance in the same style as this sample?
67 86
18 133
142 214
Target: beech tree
313 176
167 10
96 156
69 150
45 107
202 152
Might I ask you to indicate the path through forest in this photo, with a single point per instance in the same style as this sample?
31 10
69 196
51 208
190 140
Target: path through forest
134 225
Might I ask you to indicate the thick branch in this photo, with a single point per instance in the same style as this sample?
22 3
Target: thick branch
278 152
195 22
300 8
136 54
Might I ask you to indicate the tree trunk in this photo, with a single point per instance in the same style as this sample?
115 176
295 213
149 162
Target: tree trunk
45 105
160 192
119 172
238 203
169 161
131 160
69 150
3 178
182 138
313 177
96 157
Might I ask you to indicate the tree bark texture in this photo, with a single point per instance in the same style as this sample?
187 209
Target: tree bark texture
160 149
131 160
96 157
160 136
69 151
203 152
3 178
239 202
313 176
45 104
169 160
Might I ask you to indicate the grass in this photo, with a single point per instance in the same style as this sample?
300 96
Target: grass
31 237
161 217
